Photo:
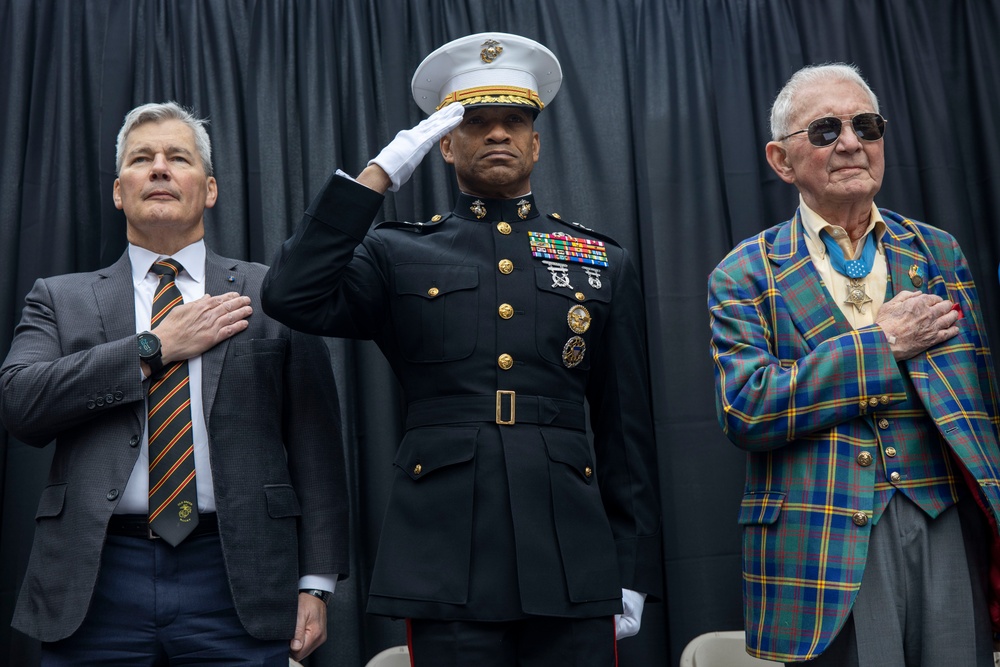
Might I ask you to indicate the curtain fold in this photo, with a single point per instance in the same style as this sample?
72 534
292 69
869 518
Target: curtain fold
655 139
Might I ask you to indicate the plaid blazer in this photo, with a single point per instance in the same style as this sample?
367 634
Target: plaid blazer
797 387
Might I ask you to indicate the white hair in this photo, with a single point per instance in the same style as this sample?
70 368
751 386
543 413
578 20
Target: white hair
784 104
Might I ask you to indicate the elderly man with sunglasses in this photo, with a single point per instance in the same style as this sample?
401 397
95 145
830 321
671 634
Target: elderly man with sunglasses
852 365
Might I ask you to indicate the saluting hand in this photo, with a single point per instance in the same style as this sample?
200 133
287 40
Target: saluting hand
404 153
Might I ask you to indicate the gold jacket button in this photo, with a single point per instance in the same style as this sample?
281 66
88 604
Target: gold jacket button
884 400
580 296
505 361
436 218
890 451
417 468
506 311
432 292
865 459
860 519
883 423
873 401
587 472
503 227
895 477
506 266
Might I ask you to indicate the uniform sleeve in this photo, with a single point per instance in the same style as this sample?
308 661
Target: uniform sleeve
624 443
325 279
766 399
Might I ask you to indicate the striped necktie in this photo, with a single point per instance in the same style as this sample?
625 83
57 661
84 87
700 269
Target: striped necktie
173 495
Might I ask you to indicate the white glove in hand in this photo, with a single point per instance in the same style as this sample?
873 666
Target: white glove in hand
408 149
627 623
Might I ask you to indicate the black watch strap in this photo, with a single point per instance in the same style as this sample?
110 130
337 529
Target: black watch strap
315 592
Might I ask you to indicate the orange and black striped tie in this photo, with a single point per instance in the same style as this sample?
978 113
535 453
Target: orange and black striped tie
173 495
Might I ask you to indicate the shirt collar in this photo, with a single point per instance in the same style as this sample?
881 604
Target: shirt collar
191 257
813 223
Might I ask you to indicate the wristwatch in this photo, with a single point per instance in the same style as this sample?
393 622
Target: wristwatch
149 351
315 592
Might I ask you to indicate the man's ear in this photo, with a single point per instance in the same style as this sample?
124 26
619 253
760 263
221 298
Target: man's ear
777 157
445 145
116 194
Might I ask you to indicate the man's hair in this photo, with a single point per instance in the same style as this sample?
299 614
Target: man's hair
784 104
157 113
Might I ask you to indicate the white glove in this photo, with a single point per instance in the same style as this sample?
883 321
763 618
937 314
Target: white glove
627 623
408 149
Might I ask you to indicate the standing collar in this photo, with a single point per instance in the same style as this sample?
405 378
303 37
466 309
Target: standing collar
496 210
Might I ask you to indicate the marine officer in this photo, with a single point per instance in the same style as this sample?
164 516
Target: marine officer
507 538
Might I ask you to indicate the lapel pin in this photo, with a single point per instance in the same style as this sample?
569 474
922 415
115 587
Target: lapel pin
915 276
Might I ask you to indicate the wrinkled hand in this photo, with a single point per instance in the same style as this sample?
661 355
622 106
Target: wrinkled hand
310 627
191 328
404 153
627 623
915 322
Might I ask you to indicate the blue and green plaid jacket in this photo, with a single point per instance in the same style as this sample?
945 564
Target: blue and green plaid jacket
796 388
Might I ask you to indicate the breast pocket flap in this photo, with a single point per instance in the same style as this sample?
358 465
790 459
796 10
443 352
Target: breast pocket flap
431 281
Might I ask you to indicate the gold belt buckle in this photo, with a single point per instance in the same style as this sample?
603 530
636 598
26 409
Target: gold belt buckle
500 419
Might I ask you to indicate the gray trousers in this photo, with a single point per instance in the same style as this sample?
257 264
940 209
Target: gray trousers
922 602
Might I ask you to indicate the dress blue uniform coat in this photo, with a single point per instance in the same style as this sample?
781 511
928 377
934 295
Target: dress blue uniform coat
489 520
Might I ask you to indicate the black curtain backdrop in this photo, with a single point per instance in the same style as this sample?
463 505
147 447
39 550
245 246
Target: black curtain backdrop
656 138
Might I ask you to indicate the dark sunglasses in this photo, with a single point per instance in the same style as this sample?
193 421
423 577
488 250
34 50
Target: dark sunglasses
825 131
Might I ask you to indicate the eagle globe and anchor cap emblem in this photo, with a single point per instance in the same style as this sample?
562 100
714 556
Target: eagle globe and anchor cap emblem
491 51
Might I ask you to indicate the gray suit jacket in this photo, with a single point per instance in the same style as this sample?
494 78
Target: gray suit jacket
72 375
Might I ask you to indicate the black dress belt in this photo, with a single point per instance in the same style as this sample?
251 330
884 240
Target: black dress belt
505 408
137 525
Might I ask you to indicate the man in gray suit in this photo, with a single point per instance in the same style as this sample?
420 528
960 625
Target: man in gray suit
245 545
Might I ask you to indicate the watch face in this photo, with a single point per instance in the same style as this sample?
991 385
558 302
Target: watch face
149 344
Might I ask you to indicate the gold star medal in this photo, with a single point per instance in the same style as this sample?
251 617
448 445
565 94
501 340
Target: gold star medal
857 294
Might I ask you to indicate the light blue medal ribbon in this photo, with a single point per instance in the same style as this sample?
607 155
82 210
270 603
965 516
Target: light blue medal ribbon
852 268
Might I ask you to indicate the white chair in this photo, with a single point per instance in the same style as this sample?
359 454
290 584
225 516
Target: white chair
721 649
397 656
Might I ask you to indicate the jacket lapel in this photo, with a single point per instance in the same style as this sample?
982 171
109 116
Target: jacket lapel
221 276
809 304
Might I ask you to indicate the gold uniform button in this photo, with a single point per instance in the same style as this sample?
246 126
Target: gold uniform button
505 361
505 266
860 519
417 468
895 477
557 216
432 292
873 401
580 296
587 472
436 218
503 227
890 451
884 400
506 311
865 459
883 423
